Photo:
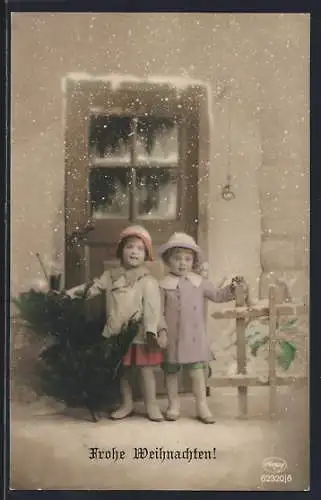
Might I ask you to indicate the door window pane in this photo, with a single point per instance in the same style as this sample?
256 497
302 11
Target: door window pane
157 139
156 192
108 192
109 137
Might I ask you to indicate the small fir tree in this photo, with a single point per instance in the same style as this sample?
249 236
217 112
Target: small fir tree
79 366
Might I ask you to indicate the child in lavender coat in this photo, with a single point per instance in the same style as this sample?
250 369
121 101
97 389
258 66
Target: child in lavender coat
184 293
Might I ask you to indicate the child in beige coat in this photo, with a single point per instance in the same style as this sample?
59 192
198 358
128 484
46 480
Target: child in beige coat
132 291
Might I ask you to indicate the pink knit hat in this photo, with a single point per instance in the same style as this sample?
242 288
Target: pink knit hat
138 232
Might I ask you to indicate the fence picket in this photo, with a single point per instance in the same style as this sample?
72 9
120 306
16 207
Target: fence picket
241 352
273 317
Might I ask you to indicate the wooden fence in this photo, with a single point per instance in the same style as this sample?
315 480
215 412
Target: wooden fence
242 314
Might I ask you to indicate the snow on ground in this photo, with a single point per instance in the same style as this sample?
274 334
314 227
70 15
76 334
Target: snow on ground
50 447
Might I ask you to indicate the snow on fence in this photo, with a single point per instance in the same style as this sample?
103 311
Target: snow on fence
243 314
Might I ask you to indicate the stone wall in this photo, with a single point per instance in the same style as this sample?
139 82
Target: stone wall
284 174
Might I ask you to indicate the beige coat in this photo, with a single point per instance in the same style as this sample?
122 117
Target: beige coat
129 293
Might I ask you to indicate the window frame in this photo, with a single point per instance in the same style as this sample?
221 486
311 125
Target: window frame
133 166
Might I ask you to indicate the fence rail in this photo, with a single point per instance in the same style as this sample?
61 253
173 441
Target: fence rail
242 314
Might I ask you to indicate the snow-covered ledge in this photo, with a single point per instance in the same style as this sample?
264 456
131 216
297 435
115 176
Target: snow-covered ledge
118 81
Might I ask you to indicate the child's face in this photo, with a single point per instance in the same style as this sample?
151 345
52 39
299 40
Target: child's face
181 261
133 252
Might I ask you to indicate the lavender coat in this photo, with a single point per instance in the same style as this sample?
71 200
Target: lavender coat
184 310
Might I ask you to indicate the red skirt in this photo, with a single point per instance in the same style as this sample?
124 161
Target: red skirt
138 356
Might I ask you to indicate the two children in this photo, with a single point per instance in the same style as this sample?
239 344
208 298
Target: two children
172 318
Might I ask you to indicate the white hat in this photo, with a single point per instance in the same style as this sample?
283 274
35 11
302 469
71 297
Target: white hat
181 240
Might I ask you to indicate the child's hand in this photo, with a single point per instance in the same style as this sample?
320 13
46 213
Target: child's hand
239 281
61 294
156 341
151 341
162 340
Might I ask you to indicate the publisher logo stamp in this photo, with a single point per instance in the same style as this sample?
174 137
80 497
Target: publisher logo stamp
275 470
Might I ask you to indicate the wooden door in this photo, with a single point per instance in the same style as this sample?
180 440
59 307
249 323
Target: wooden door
131 156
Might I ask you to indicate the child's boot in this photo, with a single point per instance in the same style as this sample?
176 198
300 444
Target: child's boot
172 412
199 389
149 385
127 405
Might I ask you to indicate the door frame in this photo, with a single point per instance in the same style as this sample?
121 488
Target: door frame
199 98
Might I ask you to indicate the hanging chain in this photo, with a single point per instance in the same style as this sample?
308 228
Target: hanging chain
227 193
229 152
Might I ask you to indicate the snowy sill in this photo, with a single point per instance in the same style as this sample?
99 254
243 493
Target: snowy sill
171 161
116 80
